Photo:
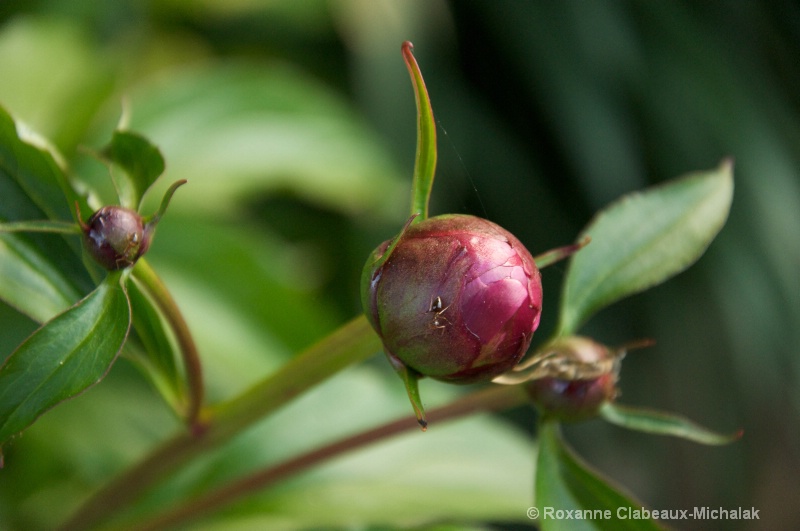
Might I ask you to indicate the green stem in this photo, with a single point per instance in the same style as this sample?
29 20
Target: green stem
494 398
51 226
350 344
191 359
425 162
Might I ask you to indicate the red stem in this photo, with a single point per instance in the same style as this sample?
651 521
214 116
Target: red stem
495 398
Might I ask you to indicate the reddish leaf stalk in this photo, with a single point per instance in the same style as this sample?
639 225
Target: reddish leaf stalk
492 399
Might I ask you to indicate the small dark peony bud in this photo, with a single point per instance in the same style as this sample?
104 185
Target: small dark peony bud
457 299
116 237
575 377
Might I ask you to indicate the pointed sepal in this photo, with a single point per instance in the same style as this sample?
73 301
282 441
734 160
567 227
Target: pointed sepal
663 423
411 381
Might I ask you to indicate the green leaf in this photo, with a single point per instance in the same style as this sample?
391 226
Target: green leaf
565 483
30 282
662 423
644 239
32 173
425 162
43 274
65 356
141 163
157 355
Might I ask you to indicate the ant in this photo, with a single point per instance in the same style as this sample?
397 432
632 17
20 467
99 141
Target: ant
439 320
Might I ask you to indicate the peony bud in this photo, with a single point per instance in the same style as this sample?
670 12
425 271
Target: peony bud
574 378
457 298
116 237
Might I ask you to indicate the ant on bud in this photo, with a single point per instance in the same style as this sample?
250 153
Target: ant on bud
439 320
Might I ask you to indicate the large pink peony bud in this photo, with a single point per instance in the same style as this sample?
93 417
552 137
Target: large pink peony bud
457 299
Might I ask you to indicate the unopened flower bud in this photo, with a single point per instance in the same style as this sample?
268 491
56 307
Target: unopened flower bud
573 378
458 298
116 237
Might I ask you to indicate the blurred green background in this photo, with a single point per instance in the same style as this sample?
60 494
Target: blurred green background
295 125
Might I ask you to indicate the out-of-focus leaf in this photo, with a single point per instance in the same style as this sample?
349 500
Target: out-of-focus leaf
76 447
474 470
565 483
644 239
42 274
239 130
69 353
140 163
245 303
52 78
471 470
268 281
661 423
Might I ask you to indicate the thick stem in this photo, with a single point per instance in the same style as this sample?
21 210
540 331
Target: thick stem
191 359
350 344
486 400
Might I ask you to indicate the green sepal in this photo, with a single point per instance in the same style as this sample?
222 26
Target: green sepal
410 379
662 423
156 217
425 160
379 261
